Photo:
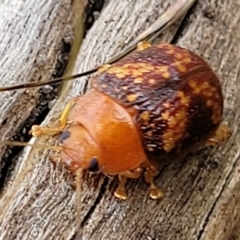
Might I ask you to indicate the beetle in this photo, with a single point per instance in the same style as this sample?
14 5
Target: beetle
148 109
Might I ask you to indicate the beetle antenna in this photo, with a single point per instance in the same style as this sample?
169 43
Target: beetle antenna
35 145
169 17
47 82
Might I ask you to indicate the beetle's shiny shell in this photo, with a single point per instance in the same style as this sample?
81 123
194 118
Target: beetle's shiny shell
177 96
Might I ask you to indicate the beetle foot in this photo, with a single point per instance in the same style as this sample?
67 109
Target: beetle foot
54 158
121 191
149 175
120 194
222 133
38 131
156 193
143 45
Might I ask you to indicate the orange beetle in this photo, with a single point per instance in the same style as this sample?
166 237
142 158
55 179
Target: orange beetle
147 110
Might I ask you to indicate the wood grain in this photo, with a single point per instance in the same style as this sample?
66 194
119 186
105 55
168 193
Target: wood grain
202 192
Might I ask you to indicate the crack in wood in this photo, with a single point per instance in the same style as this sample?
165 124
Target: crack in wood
88 214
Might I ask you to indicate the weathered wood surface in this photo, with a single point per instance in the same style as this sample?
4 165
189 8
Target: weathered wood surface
202 192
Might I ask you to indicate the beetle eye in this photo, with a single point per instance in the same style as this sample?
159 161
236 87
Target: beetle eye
63 136
93 165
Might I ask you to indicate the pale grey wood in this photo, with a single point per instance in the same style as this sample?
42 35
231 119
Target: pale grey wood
202 192
32 35
30 45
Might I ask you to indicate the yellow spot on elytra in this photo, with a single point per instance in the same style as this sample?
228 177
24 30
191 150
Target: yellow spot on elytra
145 116
208 93
166 105
120 75
149 67
178 55
168 135
186 60
138 80
121 70
110 71
170 51
141 64
183 98
113 70
197 90
181 126
134 69
180 67
172 122
165 115
168 146
192 84
168 142
127 65
162 69
209 103
144 70
205 85
104 85
165 71
103 68
166 74
131 97
124 88
151 81
180 94
127 72
176 125
184 101
136 73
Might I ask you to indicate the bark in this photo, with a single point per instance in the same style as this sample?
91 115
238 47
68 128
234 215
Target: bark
201 193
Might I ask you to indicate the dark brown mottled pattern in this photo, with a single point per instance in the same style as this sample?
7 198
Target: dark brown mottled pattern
178 97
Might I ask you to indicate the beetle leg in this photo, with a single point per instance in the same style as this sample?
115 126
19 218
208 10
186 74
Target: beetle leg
143 45
121 190
53 158
222 133
135 173
37 130
149 174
